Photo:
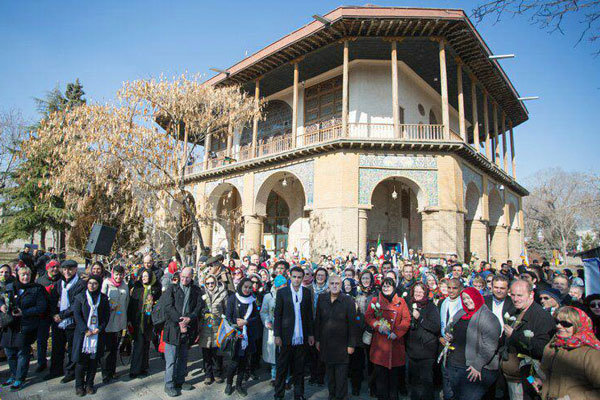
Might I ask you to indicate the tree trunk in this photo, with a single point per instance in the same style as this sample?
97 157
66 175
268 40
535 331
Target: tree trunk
62 242
43 238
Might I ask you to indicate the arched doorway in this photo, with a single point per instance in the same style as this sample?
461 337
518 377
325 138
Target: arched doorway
497 233
226 211
476 246
394 215
277 222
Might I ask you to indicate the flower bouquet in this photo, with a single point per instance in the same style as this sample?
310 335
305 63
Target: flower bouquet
534 365
381 321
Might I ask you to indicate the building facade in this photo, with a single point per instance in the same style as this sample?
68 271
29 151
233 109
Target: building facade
379 123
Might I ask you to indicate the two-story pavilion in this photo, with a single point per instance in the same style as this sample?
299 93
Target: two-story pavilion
379 122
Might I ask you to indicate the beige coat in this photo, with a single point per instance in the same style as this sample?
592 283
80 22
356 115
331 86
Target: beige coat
571 372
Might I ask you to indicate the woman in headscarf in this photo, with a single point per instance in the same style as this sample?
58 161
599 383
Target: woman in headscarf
265 277
238 276
571 360
258 292
389 318
215 297
472 365
366 292
267 317
145 293
24 301
320 285
242 313
422 342
117 292
349 287
91 311
5 277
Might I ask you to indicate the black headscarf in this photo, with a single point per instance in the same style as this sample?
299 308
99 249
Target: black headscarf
96 292
352 291
240 285
366 289
390 282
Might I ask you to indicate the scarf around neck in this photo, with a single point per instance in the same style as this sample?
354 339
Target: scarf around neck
186 297
248 300
90 343
584 336
298 337
64 300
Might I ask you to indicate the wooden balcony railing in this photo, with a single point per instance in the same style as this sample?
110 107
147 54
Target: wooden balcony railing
324 132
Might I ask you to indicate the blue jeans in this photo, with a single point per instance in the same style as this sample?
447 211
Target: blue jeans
43 333
18 361
446 386
176 365
464 389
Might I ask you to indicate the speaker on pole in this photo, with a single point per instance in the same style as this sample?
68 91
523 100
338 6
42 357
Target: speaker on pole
101 240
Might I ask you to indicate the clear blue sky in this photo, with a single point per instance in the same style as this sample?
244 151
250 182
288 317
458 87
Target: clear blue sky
45 43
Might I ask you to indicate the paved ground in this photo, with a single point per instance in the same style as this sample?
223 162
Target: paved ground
149 388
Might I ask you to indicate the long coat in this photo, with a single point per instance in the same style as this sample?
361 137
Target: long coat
267 312
335 328
285 317
573 372
422 338
81 313
384 351
211 318
135 314
174 309
72 293
118 298
235 310
32 303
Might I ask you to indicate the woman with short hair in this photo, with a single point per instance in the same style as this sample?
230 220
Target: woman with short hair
571 360
25 302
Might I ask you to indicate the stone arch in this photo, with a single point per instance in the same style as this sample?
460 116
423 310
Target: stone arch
217 192
225 205
496 208
414 186
275 182
472 202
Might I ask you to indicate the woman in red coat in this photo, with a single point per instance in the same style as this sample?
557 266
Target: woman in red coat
389 317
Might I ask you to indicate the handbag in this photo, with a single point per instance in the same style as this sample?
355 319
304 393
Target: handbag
5 320
367 337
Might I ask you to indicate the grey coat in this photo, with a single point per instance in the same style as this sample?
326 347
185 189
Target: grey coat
483 335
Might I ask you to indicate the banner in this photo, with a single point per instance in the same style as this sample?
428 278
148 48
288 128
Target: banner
592 275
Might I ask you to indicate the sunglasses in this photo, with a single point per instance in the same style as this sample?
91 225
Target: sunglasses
209 283
594 305
564 324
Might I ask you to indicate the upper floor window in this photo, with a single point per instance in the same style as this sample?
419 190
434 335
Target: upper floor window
323 101
277 121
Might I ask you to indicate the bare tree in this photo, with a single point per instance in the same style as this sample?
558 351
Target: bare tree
560 203
12 131
548 14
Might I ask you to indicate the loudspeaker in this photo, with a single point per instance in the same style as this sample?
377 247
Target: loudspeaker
101 239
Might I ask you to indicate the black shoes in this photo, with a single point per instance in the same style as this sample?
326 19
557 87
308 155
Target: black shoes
241 391
40 368
171 392
80 392
186 386
90 390
68 378
209 381
228 390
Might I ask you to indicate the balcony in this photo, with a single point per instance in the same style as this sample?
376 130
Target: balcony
322 133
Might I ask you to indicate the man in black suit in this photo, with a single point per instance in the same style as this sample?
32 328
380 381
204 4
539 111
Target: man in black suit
293 330
499 303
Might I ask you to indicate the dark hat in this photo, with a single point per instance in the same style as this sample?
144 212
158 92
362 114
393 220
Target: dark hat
554 293
202 259
216 259
97 278
69 264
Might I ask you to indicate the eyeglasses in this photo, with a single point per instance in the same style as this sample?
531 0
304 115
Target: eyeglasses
489 280
209 283
564 324
595 305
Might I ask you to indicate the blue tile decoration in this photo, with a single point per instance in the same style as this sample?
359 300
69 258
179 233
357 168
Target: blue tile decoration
469 176
236 181
421 169
304 171
426 180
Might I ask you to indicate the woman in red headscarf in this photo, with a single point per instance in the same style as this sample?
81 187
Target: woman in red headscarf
471 360
571 360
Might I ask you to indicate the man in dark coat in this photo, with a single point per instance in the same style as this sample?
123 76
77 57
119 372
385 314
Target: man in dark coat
183 305
293 330
336 336
528 334
62 296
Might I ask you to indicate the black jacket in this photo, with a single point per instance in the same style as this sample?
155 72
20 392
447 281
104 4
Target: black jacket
422 337
285 318
335 328
541 323
173 306
507 307
81 313
32 303
236 309
72 293
136 304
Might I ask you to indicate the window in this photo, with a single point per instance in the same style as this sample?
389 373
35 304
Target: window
323 101
277 121
421 110
432 118
401 114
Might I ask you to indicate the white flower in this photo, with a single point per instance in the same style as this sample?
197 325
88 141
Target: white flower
404 294
528 334
506 316
377 305
414 306
513 318
204 297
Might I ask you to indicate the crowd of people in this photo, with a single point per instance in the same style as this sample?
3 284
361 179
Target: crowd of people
390 325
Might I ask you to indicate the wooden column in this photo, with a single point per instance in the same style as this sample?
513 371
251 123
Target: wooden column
496 141
395 105
207 143
444 90
345 91
461 102
504 152
486 126
229 139
512 151
475 114
255 122
295 106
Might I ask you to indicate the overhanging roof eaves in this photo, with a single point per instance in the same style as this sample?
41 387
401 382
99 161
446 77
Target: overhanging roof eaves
456 27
